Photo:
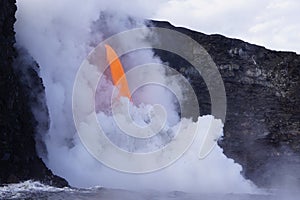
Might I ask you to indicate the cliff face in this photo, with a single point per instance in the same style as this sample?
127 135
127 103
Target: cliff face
18 158
262 128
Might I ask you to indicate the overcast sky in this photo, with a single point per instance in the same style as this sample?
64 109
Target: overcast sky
274 24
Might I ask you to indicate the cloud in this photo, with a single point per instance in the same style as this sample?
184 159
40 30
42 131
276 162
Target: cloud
58 35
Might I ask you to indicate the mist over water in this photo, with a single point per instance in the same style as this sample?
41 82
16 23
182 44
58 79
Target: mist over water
60 35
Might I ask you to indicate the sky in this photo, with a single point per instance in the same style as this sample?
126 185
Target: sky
271 23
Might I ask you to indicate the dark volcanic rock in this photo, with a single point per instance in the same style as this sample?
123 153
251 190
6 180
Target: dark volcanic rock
262 128
18 157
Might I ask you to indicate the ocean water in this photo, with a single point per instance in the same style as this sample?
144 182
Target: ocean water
34 190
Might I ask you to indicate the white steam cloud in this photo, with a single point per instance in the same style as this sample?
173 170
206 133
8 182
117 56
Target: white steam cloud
59 35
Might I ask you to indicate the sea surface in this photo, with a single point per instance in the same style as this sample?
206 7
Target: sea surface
34 190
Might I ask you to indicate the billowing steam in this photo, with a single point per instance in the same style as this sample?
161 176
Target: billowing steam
59 35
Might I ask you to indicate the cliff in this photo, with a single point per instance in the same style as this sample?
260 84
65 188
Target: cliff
262 127
18 157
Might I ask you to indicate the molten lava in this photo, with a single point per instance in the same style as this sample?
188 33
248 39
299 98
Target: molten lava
117 72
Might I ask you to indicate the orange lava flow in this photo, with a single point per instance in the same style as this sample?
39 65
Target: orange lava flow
117 72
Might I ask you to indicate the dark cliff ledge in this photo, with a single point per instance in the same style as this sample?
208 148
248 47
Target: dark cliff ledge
18 157
262 128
